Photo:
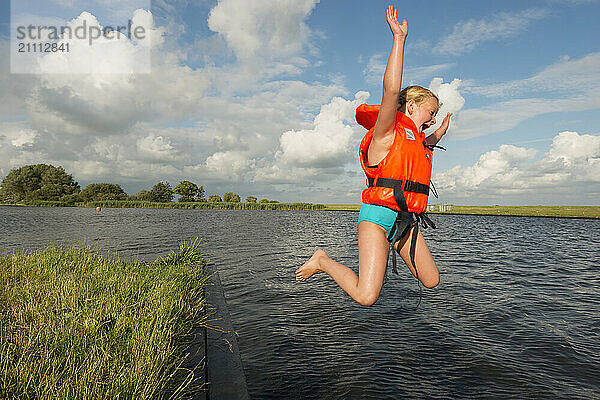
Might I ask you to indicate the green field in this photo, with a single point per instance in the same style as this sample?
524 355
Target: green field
75 324
533 211
342 207
183 205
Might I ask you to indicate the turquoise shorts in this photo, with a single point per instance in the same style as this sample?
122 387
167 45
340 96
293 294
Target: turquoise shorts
382 216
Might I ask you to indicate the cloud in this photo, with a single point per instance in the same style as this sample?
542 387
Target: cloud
264 31
155 147
328 144
569 170
375 68
577 93
12 86
103 103
466 35
582 76
230 164
573 2
449 95
17 134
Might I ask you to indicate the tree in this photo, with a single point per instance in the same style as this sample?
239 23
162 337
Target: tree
251 199
37 182
231 197
214 198
71 198
200 195
187 191
144 195
268 201
103 191
161 192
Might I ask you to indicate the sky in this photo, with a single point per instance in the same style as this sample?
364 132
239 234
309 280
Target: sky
258 96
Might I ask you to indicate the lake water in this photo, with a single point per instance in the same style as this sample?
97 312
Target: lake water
516 315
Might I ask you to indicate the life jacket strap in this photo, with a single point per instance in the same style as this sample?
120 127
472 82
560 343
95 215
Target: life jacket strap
403 224
432 147
407 186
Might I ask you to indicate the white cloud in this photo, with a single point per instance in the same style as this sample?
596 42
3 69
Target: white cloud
230 164
155 147
449 95
328 143
466 35
414 75
24 137
12 86
375 68
582 76
570 169
101 103
264 31
573 2
577 93
17 134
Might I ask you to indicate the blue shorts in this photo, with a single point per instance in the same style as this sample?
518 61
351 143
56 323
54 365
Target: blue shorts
382 216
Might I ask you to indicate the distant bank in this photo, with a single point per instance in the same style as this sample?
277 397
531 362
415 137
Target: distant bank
175 205
521 211
592 212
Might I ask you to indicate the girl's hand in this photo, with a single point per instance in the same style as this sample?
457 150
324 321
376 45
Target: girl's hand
441 131
395 27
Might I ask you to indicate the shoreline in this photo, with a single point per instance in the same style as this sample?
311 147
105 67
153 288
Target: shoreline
571 212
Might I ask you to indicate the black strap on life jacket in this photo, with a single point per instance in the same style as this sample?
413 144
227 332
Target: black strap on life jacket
432 147
406 221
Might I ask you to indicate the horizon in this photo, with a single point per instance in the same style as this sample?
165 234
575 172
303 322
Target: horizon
246 95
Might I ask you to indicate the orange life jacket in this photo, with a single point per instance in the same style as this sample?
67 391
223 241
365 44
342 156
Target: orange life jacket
401 180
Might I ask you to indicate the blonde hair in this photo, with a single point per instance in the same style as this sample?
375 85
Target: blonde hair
417 93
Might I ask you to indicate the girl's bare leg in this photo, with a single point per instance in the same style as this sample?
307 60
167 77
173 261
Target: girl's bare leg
373 249
428 271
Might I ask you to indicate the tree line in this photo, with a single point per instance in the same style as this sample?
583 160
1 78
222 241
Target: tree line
43 182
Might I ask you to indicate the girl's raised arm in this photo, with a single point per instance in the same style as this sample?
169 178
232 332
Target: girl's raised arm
392 79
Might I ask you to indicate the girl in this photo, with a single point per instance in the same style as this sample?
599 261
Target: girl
391 150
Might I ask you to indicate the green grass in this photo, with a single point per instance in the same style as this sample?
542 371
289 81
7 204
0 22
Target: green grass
342 207
534 211
203 205
77 325
176 205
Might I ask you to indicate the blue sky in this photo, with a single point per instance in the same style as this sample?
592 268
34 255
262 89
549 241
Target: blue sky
257 97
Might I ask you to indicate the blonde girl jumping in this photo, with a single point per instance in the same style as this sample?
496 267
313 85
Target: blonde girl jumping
398 127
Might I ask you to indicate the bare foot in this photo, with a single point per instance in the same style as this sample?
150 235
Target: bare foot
312 266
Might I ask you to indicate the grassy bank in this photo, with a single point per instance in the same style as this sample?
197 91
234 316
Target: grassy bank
204 205
186 205
532 211
342 207
75 324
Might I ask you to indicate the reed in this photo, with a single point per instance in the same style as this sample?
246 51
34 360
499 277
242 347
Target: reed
203 205
75 324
